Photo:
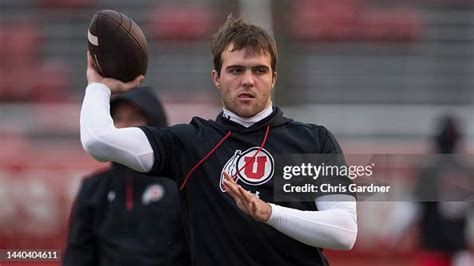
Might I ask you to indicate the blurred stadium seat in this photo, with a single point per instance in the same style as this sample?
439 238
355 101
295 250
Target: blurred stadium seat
372 71
181 22
394 24
49 89
352 20
25 76
65 3
324 20
20 43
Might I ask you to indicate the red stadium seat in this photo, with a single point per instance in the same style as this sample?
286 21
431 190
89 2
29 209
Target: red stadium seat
47 89
352 20
19 83
26 43
65 3
34 83
323 20
3 45
401 24
181 23
24 77
19 44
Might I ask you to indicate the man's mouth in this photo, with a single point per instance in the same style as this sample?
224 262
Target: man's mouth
246 95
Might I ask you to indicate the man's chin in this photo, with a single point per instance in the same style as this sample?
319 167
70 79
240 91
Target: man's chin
244 110
246 113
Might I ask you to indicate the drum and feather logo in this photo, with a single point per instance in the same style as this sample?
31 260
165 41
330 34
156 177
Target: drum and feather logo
248 167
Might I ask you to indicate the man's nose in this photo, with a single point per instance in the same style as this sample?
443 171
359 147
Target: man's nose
248 79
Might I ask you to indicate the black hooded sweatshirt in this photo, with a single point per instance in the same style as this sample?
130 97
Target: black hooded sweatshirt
122 217
443 223
218 232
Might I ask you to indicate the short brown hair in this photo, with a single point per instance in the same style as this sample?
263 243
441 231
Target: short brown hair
243 36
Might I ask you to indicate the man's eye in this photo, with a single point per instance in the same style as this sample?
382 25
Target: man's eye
236 71
260 71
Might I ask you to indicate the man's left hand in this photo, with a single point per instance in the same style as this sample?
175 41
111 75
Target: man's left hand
246 201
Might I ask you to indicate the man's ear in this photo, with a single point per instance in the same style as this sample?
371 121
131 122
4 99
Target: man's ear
274 79
216 78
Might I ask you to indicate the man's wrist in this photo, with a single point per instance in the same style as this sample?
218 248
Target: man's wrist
99 86
274 214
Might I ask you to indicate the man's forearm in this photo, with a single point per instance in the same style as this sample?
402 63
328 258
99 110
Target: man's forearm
103 141
334 226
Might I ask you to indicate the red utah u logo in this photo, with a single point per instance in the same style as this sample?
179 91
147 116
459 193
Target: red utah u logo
248 167
255 168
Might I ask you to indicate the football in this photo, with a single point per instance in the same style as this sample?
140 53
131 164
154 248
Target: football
117 45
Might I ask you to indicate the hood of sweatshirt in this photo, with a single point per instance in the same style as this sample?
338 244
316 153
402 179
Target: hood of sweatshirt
145 99
275 119
149 103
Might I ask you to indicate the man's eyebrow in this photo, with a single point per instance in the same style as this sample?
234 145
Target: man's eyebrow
241 66
235 66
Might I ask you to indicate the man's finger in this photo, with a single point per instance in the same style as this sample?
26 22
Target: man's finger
90 62
251 201
232 182
230 179
228 176
134 83
254 207
230 190
234 191
237 193
246 195
138 80
231 186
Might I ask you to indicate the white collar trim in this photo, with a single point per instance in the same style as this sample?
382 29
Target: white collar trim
247 122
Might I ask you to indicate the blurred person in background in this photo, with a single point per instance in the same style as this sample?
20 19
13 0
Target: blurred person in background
443 222
122 217
232 221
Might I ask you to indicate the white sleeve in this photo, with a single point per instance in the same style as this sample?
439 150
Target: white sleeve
103 141
333 226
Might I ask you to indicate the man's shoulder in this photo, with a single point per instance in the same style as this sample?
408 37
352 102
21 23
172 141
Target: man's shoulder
303 126
174 130
295 123
197 121
196 124
314 132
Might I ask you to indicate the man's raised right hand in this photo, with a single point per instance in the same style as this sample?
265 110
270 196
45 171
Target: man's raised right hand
115 85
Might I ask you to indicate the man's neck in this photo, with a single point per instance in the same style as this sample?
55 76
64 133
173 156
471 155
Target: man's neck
247 121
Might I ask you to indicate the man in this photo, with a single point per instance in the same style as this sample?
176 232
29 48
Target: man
121 217
442 178
231 220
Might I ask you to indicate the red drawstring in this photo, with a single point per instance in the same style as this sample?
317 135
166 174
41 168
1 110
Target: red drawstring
255 154
217 146
129 200
205 158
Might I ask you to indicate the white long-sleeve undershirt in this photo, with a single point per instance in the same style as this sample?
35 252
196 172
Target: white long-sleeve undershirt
333 226
103 141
